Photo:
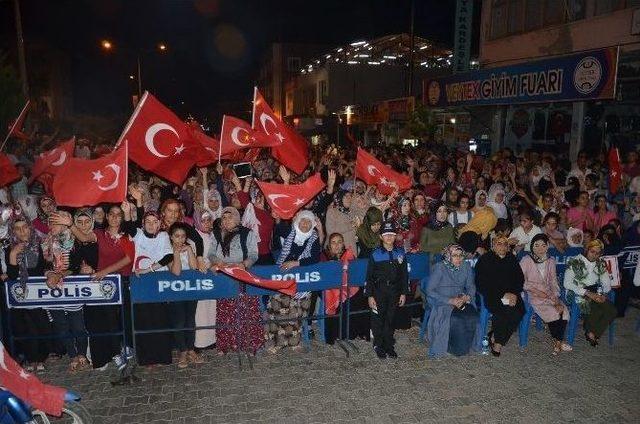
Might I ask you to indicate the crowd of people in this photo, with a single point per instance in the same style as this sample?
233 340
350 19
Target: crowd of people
490 225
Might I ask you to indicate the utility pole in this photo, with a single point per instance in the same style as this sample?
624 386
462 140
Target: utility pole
411 48
21 56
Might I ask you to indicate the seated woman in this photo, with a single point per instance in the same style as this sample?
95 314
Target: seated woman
550 228
359 325
301 248
451 291
541 284
500 280
587 279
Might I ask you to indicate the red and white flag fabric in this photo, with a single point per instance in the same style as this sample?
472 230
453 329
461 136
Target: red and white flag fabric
8 171
615 170
83 182
237 134
333 297
286 199
159 141
15 129
46 398
291 148
288 287
373 172
207 148
51 161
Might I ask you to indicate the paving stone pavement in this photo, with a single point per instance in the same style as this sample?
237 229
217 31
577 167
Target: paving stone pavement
324 386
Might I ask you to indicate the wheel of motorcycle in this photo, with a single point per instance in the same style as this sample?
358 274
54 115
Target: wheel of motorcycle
72 413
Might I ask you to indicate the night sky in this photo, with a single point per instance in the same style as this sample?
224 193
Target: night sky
215 47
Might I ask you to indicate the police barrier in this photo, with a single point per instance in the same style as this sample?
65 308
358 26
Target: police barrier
75 290
192 285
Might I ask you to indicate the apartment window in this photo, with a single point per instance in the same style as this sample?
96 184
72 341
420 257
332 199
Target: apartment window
294 64
323 92
499 18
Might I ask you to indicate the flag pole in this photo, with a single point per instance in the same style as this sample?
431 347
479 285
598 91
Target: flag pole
13 127
253 108
355 170
224 117
134 115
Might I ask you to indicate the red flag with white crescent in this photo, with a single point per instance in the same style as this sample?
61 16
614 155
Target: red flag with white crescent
51 161
160 142
102 180
288 287
237 134
290 149
286 199
615 170
26 386
333 297
373 172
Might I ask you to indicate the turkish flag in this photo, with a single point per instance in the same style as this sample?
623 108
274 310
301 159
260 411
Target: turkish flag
15 130
8 171
288 287
291 148
159 141
49 162
28 387
237 134
372 171
333 297
286 199
82 182
207 147
615 170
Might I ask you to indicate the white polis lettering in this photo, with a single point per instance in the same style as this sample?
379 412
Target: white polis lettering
184 285
300 277
64 292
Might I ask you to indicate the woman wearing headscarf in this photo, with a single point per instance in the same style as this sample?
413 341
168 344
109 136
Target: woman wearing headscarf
206 309
480 202
402 217
359 325
25 259
451 293
496 201
500 280
170 213
438 233
258 218
587 279
367 232
341 220
575 241
301 248
234 244
541 285
115 255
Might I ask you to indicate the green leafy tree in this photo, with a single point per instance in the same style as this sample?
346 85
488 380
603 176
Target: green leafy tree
422 123
11 98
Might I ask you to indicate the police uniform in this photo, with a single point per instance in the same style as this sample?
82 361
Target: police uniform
387 279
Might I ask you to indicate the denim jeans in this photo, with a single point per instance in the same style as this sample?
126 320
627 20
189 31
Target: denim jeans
66 323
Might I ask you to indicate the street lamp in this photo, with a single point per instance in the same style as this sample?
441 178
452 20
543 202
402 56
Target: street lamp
108 45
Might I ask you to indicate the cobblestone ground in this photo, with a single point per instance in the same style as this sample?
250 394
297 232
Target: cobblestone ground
324 386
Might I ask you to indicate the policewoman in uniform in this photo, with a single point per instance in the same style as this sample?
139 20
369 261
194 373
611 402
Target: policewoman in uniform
386 288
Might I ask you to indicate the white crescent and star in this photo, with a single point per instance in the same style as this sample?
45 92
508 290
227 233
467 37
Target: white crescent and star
370 169
138 260
263 119
97 176
235 139
61 159
150 135
274 197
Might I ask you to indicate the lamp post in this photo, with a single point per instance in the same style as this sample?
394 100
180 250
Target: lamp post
453 121
108 46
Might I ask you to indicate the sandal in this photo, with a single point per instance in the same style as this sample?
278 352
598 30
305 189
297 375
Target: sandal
566 347
194 357
83 363
182 360
592 341
491 344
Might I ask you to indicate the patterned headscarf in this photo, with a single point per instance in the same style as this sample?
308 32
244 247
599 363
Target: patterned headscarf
447 256
339 201
434 224
85 212
29 256
572 232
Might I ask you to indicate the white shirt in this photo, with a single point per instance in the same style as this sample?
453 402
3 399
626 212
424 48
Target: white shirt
150 250
463 218
524 237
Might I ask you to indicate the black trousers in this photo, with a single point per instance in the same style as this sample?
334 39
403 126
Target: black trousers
31 322
383 322
556 328
183 315
506 320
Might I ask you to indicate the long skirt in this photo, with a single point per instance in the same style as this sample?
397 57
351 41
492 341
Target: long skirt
31 322
281 306
462 329
103 319
239 327
154 348
205 316
599 316
359 320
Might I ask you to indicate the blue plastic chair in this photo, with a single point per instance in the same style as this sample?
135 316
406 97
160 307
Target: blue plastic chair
525 323
638 326
483 321
572 327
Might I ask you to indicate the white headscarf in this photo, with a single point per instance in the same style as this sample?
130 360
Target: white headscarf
301 237
500 209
